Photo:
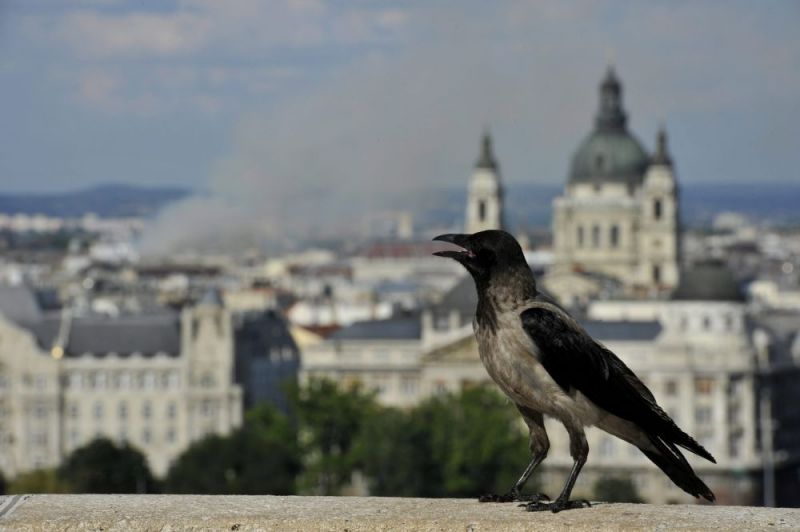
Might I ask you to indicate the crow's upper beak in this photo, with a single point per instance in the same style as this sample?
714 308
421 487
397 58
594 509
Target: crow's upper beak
462 241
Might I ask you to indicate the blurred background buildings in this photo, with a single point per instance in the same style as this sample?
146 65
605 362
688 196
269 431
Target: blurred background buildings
161 316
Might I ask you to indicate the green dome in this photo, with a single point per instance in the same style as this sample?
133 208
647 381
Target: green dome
609 156
610 153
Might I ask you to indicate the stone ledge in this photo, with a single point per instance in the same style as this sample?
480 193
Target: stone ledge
232 512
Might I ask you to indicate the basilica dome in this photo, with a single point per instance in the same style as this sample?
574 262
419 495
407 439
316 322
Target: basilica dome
610 153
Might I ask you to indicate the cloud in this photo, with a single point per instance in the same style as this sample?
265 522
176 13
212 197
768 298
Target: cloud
245 26
100 35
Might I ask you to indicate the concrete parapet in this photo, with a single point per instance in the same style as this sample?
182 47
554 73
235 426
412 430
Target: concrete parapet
233 512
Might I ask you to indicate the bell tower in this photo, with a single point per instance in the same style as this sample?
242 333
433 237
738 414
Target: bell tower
485 197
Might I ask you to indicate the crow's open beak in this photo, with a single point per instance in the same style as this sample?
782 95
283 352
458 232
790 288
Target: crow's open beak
462 241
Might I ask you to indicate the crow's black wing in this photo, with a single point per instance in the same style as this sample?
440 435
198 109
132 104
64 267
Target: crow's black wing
577 362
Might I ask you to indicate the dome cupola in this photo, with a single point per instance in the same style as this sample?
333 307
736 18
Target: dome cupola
609 154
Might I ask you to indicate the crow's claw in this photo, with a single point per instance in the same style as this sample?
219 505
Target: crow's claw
556 506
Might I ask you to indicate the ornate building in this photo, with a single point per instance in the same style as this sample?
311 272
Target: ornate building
485 195
618 216
159 381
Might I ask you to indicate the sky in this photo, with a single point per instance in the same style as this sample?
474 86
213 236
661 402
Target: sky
270 105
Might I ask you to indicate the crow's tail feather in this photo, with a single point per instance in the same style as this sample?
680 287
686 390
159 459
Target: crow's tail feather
667 457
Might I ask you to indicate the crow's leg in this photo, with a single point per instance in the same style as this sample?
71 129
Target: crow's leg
539 445
579 449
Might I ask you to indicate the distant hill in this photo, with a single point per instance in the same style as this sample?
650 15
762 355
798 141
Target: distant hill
104 200
530 205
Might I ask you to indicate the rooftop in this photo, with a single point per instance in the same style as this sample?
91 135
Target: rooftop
405 328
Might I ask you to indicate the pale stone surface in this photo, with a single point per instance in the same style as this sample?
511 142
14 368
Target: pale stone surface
194 512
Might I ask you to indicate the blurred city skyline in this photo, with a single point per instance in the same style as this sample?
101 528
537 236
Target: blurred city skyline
215 224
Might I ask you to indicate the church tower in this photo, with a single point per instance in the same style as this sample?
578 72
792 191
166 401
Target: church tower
485 196
659 230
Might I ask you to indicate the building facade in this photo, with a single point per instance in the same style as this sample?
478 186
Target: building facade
158 382
618 215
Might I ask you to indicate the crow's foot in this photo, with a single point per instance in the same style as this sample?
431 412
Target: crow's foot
556 506
513 496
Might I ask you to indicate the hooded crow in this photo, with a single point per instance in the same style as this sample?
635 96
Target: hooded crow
548 365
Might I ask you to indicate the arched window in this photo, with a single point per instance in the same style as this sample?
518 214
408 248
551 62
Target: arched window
614 236
599 162
580 236
596 236
657 208
481 210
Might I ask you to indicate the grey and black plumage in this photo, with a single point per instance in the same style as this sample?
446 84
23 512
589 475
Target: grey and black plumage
548 365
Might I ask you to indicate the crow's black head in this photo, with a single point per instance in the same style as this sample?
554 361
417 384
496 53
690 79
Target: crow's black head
487 255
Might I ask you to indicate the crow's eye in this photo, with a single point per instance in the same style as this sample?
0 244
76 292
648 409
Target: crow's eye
486 256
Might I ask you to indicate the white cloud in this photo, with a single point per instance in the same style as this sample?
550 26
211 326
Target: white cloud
106 35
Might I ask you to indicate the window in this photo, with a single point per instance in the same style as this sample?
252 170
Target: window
98 410
703 385
599 162
147 410
728 322
481 210
408 386
146 436
702 415
171 435
671 388
287 354
657 208
606 447
74 411
123 410
734 413
735 446
580 236
596 236
75 380
706 323
614 236
656 273
172 410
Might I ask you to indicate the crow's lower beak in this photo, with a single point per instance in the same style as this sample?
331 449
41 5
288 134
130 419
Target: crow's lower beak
458 240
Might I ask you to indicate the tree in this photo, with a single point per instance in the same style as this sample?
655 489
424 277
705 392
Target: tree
476 441
460 445
259 458
616 489
102 467
393 450
38 481
329 421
